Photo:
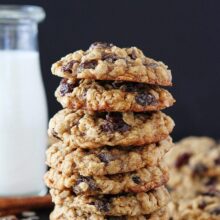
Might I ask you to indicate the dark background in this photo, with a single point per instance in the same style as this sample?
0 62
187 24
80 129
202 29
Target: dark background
183 34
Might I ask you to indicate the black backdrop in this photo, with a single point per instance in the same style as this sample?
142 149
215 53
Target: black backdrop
184 34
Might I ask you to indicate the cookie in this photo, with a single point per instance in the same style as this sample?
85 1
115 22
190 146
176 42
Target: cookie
202 207
65 213
118 205
190 188
103 61
83 129
106 160
195 183
193 147
195 165
116 96
142 180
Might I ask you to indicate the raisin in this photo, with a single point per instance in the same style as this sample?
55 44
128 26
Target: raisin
182 160
105 157
114 123
145 99
136 179
103 205
65 87
89 180
110 58
110 127
100 45
215 211
88 65
199 169
113 116
217 161
202 205
211 181
107 127
68 66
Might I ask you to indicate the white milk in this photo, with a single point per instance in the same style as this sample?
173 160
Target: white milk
23 124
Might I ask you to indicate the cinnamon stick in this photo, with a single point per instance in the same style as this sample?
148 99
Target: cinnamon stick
34 202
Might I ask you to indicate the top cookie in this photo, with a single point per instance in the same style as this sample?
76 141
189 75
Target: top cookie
103 61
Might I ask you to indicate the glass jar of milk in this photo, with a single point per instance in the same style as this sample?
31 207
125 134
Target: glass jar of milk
23 109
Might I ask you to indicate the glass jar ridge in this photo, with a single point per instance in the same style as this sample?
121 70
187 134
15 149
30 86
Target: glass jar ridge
21 13
19 27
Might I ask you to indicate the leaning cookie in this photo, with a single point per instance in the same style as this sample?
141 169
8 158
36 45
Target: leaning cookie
190 188
106 160
188 149
112 96
85 129
204 206
104 61
195 183
65 213
195 164
141 180
114 205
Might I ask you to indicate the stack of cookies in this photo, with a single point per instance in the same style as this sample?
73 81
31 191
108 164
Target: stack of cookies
195 184
111 136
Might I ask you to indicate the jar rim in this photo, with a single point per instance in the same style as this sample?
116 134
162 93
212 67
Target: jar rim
21 13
